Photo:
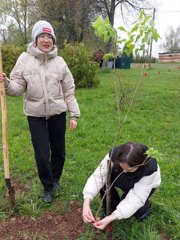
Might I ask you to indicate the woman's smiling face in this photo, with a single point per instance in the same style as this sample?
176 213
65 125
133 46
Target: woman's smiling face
45 42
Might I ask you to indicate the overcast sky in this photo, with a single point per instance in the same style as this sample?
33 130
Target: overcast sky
168 13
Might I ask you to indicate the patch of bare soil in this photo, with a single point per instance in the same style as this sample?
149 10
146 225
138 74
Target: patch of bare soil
49 226
163 236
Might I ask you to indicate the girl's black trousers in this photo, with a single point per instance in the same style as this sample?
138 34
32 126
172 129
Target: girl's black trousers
48 139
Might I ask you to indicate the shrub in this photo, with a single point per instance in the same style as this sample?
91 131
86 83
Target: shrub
10 54
83 68
77 56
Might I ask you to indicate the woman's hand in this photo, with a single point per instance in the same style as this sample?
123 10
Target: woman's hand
73 124
2 77
87 213
101 224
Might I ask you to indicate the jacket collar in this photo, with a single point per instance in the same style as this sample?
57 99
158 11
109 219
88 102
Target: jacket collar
35 51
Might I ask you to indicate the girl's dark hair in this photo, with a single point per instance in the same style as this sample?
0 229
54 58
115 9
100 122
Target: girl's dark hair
132 153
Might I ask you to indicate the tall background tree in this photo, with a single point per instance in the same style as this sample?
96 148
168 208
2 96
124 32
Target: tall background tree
127 8
70 19
14 15
172 39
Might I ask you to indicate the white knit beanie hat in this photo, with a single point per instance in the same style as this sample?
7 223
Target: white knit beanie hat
42 27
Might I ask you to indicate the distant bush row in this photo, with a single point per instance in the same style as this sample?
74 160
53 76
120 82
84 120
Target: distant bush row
77 57
141 59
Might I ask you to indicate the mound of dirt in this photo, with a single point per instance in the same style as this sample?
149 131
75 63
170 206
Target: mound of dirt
48 226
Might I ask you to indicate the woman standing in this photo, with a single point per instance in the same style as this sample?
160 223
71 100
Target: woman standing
136 174
48 87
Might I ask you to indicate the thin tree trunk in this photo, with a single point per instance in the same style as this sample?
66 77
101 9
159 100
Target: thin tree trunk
150 51
108 200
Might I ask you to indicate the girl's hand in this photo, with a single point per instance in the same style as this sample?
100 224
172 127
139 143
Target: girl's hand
101 224
73 124
2 77
87 213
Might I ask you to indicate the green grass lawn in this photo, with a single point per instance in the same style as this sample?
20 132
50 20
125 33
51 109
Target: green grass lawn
152 120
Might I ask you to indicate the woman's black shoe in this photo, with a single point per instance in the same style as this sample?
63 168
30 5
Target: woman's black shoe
48 197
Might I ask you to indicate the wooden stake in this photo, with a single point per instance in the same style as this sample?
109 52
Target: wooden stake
11 191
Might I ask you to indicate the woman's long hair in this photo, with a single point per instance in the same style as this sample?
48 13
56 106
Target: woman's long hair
132 153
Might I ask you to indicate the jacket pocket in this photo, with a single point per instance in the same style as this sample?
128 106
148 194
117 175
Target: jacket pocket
33 107
54 86
34 89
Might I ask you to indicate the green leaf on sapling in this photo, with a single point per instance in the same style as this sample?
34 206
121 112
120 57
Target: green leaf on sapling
135 28
122 29
154 153
141 15
108 56
136 51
